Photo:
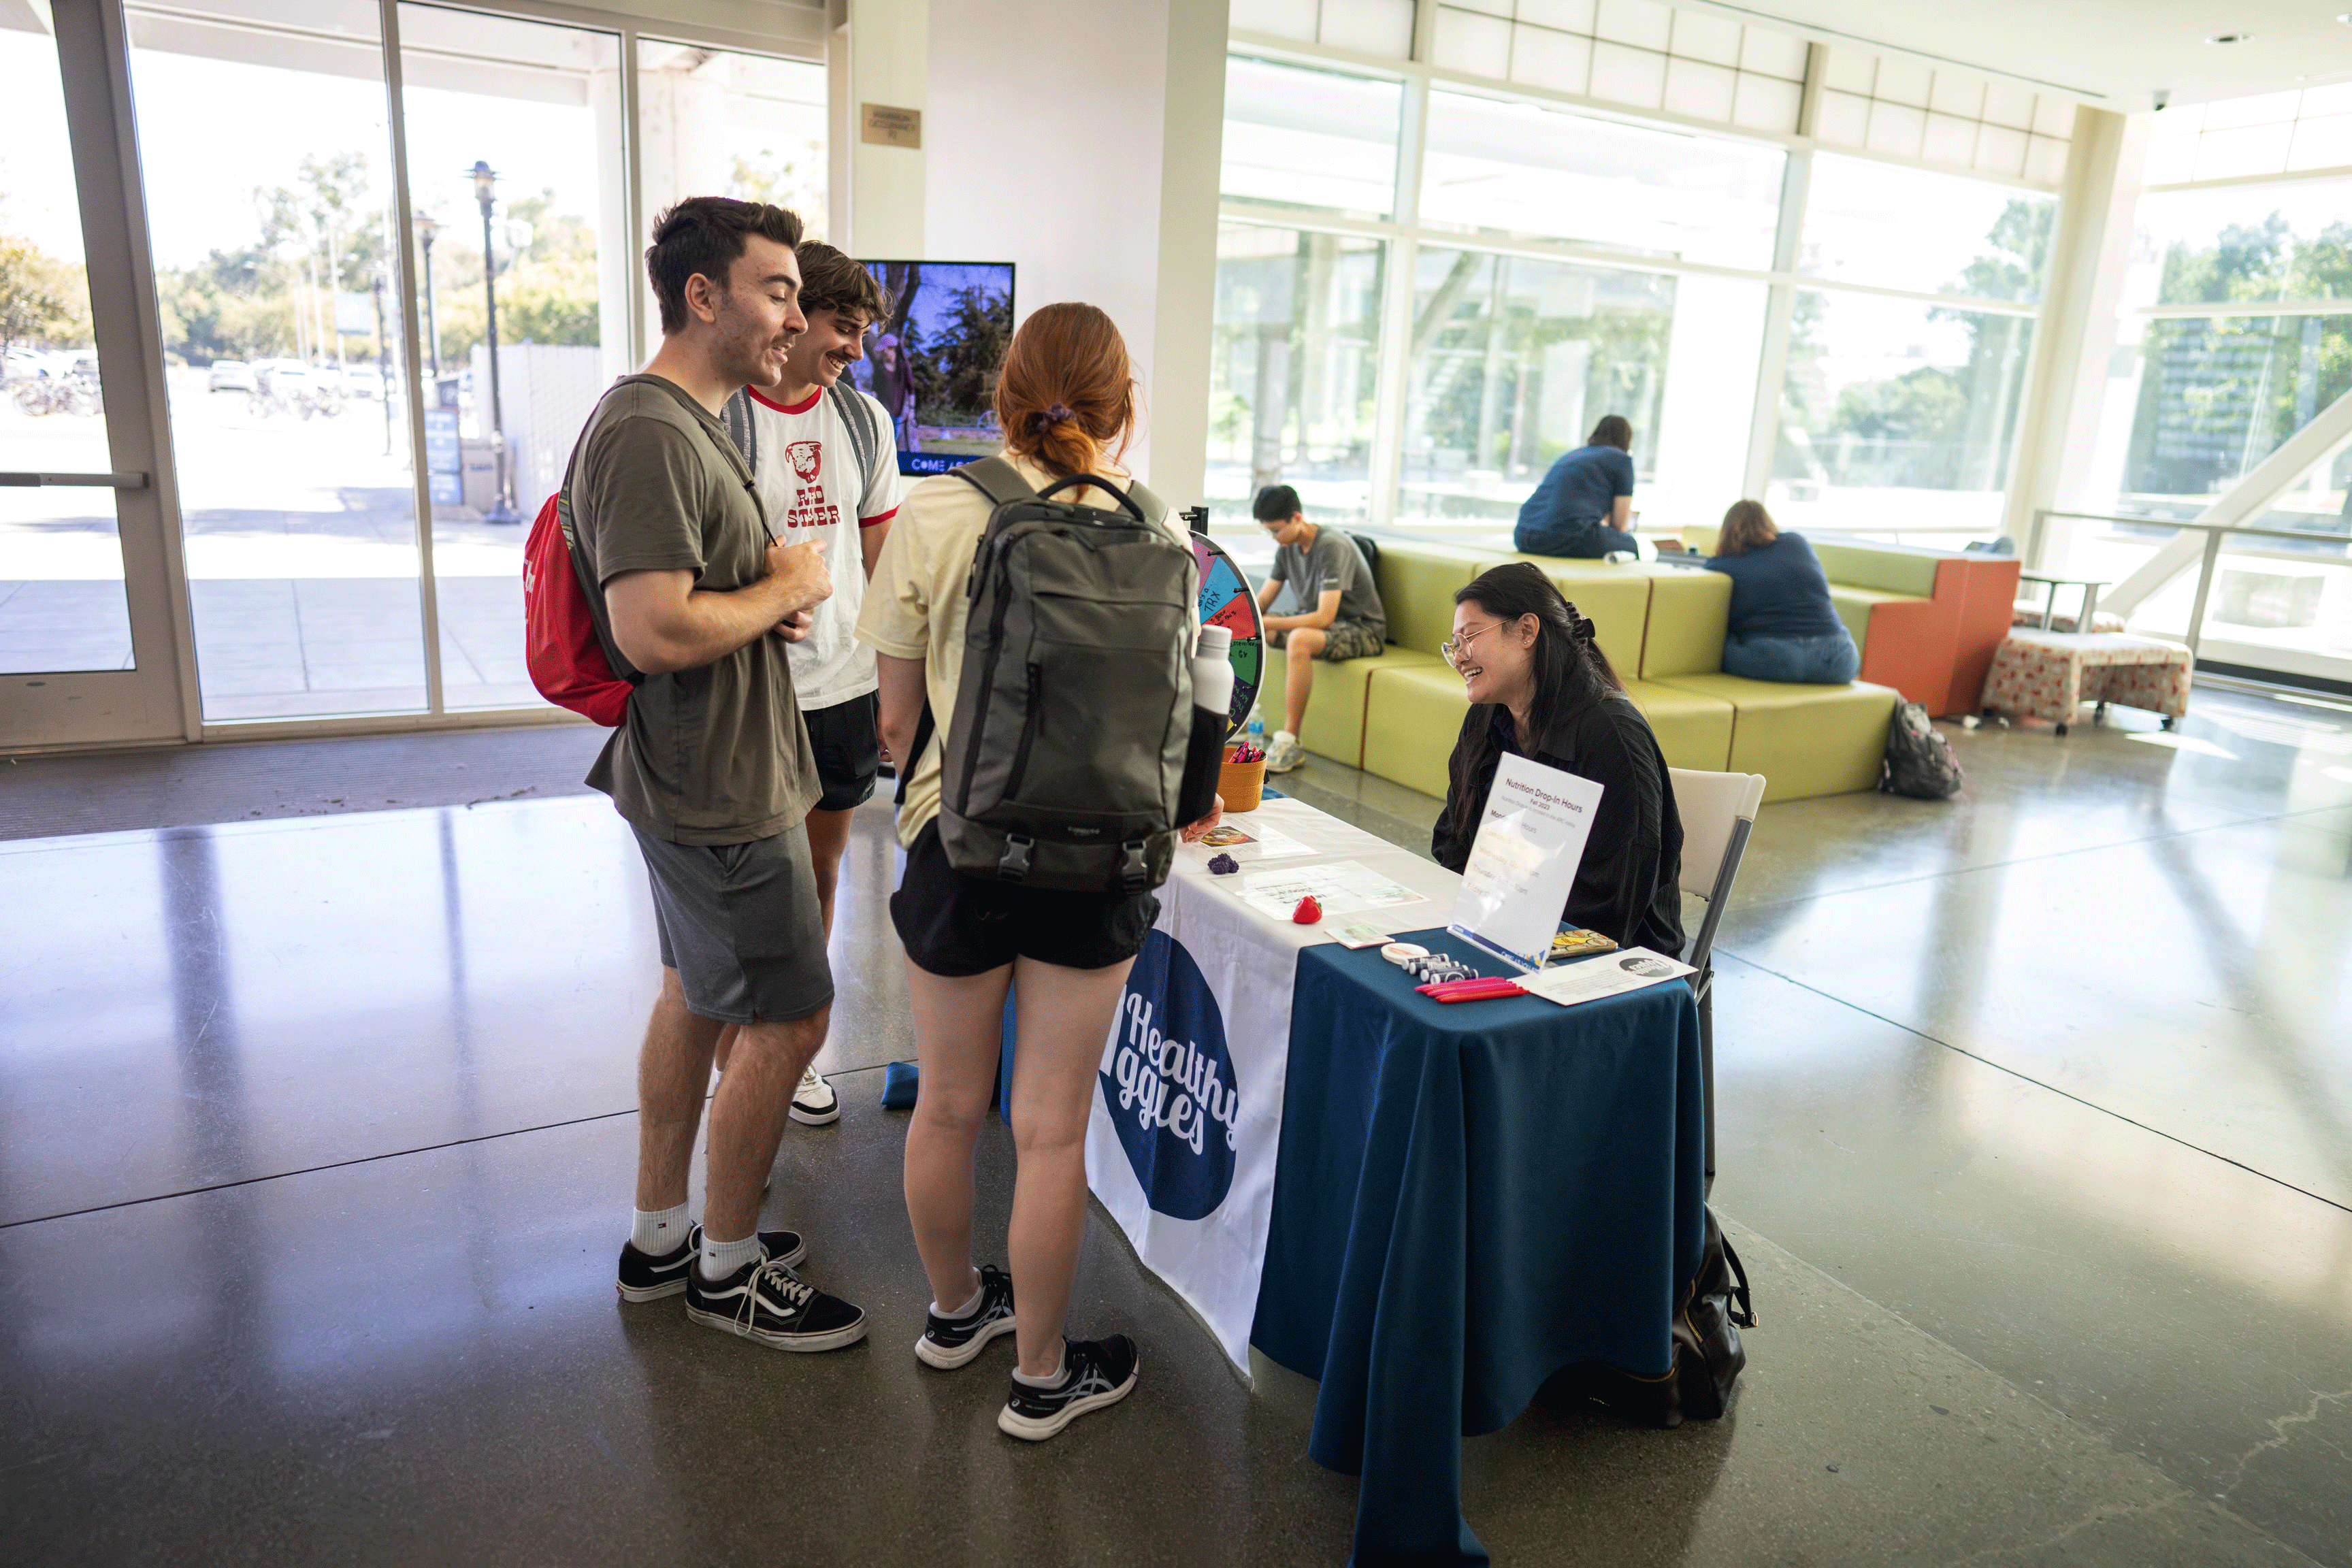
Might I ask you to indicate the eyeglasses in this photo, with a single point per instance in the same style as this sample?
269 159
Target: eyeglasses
1454 646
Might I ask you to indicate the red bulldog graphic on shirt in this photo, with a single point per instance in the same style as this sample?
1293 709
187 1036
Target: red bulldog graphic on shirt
809 508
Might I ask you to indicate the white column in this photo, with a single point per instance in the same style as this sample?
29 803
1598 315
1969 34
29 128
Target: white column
2051 465
1192 118
1104 192
889 64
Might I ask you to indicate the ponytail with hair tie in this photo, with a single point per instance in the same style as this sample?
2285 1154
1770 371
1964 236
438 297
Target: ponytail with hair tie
1056 415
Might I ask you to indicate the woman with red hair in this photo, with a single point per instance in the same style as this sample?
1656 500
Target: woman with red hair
1066 401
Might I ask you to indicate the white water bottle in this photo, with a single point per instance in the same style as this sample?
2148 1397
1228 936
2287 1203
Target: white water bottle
1212 670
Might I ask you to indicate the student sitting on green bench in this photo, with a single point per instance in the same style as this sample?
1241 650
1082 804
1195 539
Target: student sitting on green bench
1783 624
1344 620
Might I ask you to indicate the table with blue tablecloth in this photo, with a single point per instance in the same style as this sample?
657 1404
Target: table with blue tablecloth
1469 1198
1429 1209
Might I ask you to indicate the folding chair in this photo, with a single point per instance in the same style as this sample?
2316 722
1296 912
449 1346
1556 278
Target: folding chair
1718 811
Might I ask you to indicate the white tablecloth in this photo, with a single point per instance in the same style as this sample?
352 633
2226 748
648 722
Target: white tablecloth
1188 1125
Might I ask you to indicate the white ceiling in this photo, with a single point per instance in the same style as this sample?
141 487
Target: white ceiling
2114 53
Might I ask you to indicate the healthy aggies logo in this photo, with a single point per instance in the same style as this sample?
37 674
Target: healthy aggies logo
1168 1083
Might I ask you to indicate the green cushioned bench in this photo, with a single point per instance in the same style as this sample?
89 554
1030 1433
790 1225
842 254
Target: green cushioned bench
1662 627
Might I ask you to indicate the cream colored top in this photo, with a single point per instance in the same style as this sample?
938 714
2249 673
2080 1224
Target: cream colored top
915 604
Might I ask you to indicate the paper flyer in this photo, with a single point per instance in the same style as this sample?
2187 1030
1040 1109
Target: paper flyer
1608 975
1524 859
1342 887
1245 844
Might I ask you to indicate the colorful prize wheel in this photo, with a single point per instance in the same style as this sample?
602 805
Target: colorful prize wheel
1226 601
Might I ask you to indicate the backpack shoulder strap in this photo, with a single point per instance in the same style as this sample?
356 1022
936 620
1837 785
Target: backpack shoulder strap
997 479
742 426
568 522
1154 510
857 417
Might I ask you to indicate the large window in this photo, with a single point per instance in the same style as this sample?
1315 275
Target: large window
276 218
1313 140
1297 351
1497 167
267 161
1429 353
1512 362
1898 417
2235 333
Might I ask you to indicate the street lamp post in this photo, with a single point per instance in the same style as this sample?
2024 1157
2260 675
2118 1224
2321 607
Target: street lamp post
383 354
486 182
425 229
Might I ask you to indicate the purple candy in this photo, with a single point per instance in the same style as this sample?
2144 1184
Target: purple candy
1223 866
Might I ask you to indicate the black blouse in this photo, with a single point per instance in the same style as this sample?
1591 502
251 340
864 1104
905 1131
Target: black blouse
1625 887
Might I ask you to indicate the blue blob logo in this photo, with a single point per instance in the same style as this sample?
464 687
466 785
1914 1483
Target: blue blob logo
1168 1083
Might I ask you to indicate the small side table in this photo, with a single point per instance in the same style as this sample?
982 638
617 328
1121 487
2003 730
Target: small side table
2084 621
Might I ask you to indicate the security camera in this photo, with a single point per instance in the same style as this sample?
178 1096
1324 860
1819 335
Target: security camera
2163 95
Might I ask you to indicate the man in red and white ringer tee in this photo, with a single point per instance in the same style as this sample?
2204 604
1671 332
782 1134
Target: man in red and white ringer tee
827 468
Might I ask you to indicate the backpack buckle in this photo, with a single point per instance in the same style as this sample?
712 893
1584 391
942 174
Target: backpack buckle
1132 872
1013 864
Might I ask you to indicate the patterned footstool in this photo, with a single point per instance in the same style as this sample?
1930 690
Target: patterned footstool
2049 675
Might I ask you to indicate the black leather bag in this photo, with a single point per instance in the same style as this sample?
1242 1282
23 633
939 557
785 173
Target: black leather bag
1708 1355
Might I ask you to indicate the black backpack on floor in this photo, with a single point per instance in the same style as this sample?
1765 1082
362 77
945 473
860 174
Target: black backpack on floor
1919 761
1708 1356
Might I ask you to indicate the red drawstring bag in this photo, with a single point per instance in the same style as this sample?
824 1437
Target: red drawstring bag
567 659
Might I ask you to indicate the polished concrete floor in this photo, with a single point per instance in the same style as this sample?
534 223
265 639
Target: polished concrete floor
315 1135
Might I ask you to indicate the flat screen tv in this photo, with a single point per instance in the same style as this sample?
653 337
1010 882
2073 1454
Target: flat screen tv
932 362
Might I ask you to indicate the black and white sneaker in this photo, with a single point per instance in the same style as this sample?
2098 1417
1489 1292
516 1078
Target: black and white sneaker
644 1278
814 1103
1095 1373
767 1302
949 1343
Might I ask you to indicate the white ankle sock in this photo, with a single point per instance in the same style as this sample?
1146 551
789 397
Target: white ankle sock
656 1231
979 1294
722 1258
1061 1372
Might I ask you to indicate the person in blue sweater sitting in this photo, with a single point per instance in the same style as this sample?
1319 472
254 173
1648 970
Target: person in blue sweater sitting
1584 507
1783 627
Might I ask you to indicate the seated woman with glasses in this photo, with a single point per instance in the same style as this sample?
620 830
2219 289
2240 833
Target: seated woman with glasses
1783 624
1540 687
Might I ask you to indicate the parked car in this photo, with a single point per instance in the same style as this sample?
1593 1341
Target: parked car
281 377
231 375
26 365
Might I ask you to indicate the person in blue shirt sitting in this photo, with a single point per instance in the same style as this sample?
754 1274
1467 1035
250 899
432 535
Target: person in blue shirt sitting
1584 507
1783 625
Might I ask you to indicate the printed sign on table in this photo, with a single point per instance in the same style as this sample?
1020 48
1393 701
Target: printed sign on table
1523 860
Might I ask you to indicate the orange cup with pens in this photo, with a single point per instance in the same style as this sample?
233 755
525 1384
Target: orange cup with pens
1241 779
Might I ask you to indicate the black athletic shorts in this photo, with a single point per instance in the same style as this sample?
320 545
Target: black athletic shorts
955 925
847 741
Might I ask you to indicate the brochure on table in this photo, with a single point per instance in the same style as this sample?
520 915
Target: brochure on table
1610 975
1523 860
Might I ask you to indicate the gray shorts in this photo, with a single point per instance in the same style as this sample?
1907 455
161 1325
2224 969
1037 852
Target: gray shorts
740 923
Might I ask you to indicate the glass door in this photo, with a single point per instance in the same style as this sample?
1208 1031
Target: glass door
518 179
87 635
266 147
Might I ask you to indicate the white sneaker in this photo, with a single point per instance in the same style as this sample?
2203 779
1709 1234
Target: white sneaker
1283 753
814 1102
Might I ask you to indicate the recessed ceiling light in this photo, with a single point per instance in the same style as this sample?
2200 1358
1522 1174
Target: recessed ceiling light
2237 38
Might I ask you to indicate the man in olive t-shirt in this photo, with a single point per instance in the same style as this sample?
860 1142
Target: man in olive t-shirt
712 769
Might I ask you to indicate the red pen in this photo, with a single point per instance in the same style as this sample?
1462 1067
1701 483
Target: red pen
1473 990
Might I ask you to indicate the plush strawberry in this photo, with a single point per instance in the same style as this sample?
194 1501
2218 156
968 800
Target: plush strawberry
1309 911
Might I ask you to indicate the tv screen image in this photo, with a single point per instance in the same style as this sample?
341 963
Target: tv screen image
932 362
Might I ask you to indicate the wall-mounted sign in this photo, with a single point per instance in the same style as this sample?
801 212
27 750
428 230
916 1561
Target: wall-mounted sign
888 127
